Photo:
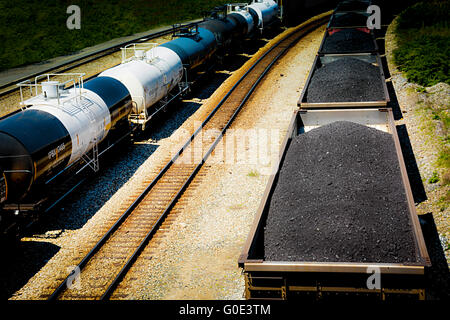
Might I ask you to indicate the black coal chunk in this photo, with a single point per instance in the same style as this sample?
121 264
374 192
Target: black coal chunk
352 6
348 40
340 198
349 19
346 80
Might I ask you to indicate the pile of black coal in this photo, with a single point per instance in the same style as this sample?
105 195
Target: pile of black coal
352 6
346 79
340 198
349 19
348 40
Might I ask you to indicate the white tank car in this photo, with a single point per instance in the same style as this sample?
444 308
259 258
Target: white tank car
148 78
83 113
247 16
59 126
266 11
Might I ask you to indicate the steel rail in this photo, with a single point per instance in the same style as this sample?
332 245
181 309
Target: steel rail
297 35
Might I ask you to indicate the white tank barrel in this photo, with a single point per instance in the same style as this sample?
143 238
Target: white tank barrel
266 11
87 120
248 18
148 81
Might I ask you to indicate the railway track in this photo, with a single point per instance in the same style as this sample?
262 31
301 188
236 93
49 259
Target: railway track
104 267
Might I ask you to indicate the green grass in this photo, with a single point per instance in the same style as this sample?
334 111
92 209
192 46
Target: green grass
444 201
423 35
253 173
33 31
434 178
443 160
446 178
430 115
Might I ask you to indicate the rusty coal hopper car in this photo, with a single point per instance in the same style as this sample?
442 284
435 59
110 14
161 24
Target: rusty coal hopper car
337 214
345 81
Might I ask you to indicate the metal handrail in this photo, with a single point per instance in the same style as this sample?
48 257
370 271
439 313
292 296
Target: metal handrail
136 47
237 6
77 80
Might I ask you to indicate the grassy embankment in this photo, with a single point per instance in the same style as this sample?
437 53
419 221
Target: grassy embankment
423 52
34 31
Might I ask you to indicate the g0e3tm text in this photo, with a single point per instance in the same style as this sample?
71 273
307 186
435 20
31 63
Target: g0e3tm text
246 309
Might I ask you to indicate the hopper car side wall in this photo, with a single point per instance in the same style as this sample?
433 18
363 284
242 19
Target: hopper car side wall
267 278
323 59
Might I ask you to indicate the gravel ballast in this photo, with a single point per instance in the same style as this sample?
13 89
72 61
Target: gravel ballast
346 79
348 40
340 198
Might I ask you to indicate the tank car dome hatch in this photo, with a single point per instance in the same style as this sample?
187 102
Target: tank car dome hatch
50 89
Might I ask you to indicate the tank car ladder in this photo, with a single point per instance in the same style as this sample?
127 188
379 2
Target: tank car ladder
93 162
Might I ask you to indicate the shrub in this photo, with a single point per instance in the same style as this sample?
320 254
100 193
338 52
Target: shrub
424 43
423 14
446 177
444 158
434 178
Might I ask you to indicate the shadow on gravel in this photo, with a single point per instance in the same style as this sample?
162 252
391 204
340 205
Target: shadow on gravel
249 46
115 171
211 84
437 276
414 177
393 103
164 124
25 259
234 62
381 44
